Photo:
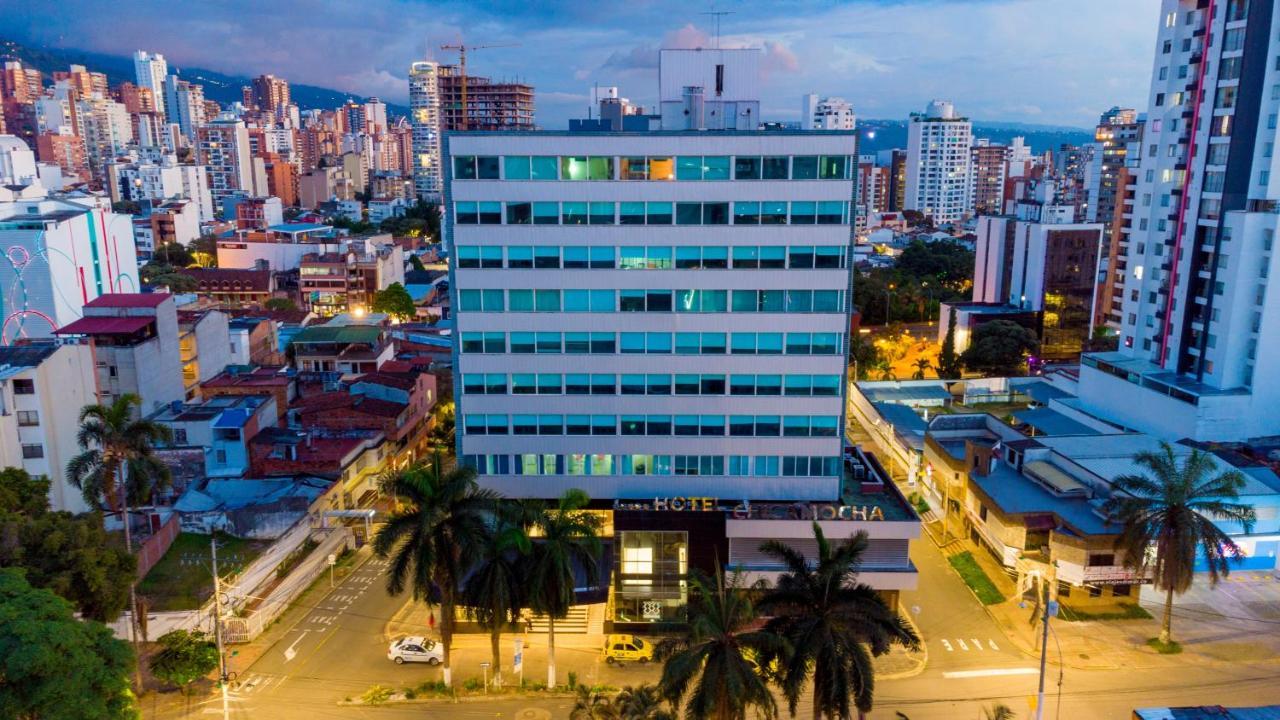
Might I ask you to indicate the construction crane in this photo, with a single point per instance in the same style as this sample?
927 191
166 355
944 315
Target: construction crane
462 66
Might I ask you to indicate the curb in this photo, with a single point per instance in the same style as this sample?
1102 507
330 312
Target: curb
924 649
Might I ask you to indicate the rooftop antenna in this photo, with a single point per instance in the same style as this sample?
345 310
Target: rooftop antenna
717 14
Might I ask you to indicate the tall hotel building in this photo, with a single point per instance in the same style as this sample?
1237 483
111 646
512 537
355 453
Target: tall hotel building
424 119
1200 328
660 319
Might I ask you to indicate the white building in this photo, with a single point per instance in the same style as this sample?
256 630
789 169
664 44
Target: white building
833 113
17 162
184 105
1200 332
135 347
63 252
43 386
424 114
223 146
140 181
150 71
938 163
386 208
106 129
195 187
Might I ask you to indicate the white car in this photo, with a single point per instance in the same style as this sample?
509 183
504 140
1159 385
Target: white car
416 649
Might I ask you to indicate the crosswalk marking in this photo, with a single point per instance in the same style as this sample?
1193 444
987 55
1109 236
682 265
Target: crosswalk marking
947 644
967 644
963 646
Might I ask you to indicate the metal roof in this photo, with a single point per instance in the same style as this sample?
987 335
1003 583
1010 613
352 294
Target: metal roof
1052 422
105 326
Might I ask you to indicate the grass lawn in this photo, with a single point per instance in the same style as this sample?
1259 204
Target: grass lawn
1173 648
182 579
975 578
1123 611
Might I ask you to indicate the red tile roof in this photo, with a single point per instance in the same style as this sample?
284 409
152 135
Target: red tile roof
105 326
128 300
357 404
229 279
398 381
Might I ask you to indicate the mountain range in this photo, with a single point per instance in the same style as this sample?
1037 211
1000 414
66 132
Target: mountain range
874 135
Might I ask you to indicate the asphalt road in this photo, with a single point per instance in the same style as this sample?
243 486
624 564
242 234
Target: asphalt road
337 650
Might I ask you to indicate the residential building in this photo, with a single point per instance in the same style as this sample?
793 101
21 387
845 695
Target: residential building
176 221
1046 268
281 247
43 387
282 179
489 105
970 315
204 341
17 162
396 404
255 213
832 113
232 287
65 251
425 116
582 359
271 95
106 129
355 459
329 352
135 344
1200 333
144 180
989 167
382 208
939 161
224 149
151 71
185 105
239 380
254 341
334 283
222 426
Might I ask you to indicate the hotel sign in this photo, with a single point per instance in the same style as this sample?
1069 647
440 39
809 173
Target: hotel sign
760 511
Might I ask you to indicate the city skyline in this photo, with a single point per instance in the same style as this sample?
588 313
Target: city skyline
886 58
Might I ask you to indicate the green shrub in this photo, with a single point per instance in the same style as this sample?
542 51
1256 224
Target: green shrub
975 578
376 695
472 684
573 680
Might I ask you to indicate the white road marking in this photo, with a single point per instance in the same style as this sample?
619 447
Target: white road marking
962 644
994 672
947 644
992 643
976 642
291 651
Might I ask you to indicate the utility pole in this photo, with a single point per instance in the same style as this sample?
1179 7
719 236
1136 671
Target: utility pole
1044 644
217 627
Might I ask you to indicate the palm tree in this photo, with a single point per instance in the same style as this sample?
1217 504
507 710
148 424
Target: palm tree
568 536
922 366
716 663
834 623
430 540
117 467
1165 515
494 593
998 712
641 703
591 704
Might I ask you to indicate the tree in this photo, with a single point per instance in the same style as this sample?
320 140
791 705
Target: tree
416 263
395 301
443 427
494 594
184 657
1165 514
204 251
167 276
714 667
172 255
591 704
998 712
948 360
280 304
999 348
54 666
922 366
641 703
568 537
117 467
946 261
126 207
833 623
864 355
68 554
432 539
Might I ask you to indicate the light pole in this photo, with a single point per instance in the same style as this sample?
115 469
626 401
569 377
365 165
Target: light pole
888 304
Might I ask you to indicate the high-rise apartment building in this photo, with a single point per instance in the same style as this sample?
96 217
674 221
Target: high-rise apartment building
82 81
490 105
989 171
106 128
654 317
832 113
151 71
270 94
1200 332
424 114
185 105
939 144
223 147
874 186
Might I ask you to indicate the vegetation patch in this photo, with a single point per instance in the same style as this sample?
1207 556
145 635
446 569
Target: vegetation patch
1169 648
183 580
975 578
1124 611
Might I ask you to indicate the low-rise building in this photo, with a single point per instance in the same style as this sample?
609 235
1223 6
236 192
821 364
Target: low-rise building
334 283
175 221
329 352
205 344
222 426
43 387
232 287
238 380
355 458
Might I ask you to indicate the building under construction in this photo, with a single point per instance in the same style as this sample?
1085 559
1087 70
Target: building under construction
490 105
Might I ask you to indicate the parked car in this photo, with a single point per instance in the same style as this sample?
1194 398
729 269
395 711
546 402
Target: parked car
619 648
416 649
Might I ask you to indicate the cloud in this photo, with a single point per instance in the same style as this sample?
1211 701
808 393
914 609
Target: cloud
641 57
778 59
686 38
849 60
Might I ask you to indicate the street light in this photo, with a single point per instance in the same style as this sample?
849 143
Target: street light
888 304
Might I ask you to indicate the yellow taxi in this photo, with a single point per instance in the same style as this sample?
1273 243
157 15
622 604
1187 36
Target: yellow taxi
627 648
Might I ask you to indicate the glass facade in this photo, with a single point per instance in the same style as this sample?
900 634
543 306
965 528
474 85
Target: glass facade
650 576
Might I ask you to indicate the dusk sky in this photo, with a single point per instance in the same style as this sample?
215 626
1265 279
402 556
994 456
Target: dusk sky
1035 61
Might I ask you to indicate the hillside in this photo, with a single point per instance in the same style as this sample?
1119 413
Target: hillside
893 134
223 88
